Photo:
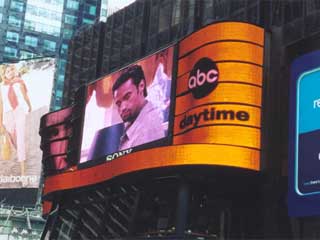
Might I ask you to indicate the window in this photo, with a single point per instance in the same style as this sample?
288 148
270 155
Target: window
90 9
1 3
87 21
18 6
40 27
49 45
67 34
59 93
26 55
70 19
10 52
14 21
0 17
62 65
29 25
31 41
61 78
73 4
33 11
64 49
12 37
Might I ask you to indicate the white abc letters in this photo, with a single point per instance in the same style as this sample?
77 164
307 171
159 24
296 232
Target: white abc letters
201 78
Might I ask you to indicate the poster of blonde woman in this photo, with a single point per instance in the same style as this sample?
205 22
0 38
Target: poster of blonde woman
25 94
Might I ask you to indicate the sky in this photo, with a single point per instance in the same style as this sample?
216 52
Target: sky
118 4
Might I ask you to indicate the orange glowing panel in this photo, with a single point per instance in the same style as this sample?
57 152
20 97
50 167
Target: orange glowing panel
219 88
190 154
229 72
224 134
46 208
226 93
222 31
222 51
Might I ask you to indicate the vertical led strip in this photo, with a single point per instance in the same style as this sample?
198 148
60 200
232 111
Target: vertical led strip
228 116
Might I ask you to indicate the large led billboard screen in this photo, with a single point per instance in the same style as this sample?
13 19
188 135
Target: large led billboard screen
128 109
25 92
219 93
198 102
304 140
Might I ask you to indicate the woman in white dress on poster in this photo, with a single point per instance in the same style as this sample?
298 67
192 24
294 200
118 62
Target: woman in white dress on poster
14 98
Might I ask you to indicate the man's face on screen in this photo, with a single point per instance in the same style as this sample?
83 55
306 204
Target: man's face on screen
129 100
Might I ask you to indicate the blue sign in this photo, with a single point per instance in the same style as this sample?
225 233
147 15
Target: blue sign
304 136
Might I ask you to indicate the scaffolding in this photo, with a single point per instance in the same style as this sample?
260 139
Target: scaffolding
20 223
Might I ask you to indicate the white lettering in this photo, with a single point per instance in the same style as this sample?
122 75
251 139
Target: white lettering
212 76
110 157
316 103
201 78
192 82
16 179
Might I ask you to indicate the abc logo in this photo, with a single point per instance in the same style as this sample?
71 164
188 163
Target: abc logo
203 78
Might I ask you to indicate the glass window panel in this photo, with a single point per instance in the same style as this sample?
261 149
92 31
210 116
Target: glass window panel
73 4
87 21
64 49
26 55
12 37
70 19
17 6
14 21
90 9
10 52
42 27
67 33
59 94
31 41
60 78
49 45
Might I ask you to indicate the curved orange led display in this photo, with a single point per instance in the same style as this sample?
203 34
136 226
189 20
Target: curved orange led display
226 93
245 73
223 51
190 154
229 116
219 90
217 116
46 208
222 32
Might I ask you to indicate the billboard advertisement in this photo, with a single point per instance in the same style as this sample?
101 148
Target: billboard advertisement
304 183
128 108
25 93
56 130
195 103
219 93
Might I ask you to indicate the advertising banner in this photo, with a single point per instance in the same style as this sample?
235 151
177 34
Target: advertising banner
219 92
56 129
25 93
304 141
128 108
206 112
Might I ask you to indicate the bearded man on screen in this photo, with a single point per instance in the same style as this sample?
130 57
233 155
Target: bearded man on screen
143 121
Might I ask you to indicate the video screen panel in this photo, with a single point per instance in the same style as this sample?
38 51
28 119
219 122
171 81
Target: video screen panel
128 109
214 117
56 130
25 93
304 134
